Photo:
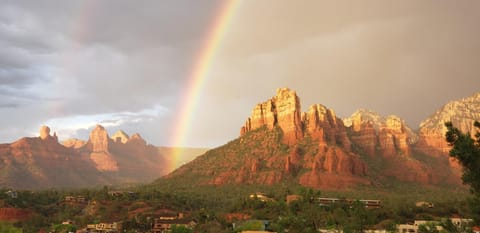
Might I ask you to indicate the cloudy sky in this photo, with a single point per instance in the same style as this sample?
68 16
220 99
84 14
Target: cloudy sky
125 64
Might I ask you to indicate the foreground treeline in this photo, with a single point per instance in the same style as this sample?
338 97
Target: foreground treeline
212 208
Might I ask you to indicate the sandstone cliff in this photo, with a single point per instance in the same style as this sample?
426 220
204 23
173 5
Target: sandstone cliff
374 134
74 143
120 136
282 110
462 113
42 162
316 148
99 143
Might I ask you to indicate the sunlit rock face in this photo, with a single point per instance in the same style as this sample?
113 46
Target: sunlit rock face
44 132
462 113
283 110
42 162
322 124
99 143
374 134
99 139
336 159
120 137
74 143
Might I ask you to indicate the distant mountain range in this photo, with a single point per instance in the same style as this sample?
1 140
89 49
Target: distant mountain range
43 162
317 149
277 143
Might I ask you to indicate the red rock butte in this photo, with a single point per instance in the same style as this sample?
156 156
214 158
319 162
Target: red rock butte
331 152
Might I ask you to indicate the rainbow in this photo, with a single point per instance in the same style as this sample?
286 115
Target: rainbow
199 74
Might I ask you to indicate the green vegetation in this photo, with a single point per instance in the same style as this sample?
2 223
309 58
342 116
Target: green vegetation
467 151
209 205
181 229
8 228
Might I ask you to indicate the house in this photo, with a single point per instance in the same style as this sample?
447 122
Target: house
114 227
261 196
231 217
424 204
372 203
115 193
461 221
12 194
476 229
75 199
409 228
165 222
68 222
292 198
376 231
258 232
369 203
404 228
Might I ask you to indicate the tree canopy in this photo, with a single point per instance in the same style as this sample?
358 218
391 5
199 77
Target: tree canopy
466 149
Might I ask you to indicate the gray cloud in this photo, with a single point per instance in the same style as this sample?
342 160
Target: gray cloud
114 60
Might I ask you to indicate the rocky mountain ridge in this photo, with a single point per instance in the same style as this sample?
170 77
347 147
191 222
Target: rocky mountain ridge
42 162
317 149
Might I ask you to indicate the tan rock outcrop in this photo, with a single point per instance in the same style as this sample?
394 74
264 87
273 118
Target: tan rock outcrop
120 137
137 139
73 143
99 139
373 133
44 132
283 110
462 113
318 150
322 124
99 143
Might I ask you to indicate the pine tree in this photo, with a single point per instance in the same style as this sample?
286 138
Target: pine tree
467 152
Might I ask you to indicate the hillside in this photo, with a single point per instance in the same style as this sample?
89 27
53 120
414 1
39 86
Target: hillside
317 149
42 162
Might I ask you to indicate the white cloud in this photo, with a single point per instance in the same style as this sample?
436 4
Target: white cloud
67 127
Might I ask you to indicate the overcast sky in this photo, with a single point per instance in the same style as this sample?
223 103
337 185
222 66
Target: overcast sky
124 64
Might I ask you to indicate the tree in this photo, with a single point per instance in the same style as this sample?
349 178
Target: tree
467 151
181 229
8 228
450 227
429 227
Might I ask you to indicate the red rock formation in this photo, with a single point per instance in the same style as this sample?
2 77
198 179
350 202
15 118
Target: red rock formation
45 134
73 143
42 162
282 110
136 139
120 137
365 137
318 149
388 136
322 124
99 144
462 113
14 214
99 139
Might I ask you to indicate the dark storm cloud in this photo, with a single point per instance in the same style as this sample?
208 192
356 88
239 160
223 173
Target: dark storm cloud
406 58
125 63
91 59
